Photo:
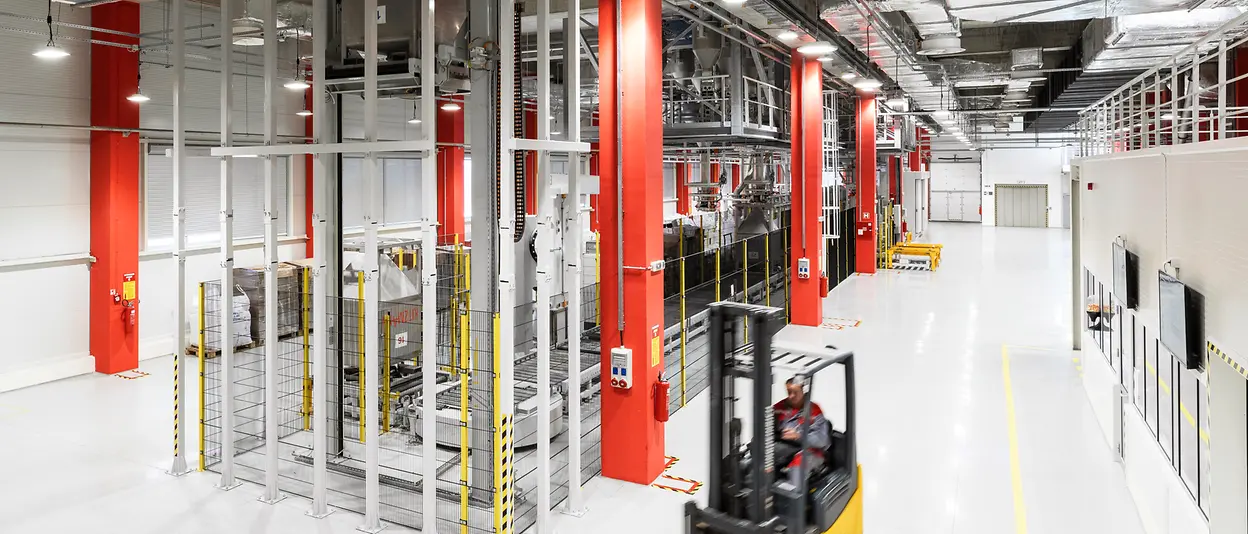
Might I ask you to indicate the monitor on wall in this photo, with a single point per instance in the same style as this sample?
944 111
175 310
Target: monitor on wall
1126 276
1181 318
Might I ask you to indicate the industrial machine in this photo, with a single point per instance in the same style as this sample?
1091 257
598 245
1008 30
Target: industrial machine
747 494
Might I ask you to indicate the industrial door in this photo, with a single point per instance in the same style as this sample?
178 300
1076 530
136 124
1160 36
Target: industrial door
1022 205
955 192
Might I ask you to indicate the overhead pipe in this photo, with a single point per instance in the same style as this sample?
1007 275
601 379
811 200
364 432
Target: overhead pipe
820 30
728 35
995 111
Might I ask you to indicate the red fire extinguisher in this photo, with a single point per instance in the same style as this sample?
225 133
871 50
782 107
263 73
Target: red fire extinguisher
660 401
129 316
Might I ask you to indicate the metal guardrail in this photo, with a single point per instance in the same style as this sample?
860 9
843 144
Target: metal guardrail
1168 104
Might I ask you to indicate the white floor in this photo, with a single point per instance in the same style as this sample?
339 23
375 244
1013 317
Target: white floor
89 454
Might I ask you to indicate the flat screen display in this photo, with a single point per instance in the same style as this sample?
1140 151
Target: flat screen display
1172 304
1126 276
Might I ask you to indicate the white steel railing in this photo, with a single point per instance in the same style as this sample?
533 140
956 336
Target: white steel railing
708 99
1188 98
831 181
766 106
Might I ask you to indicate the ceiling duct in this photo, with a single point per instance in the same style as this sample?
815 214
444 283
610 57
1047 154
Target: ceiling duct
1139 42
1059 10
945 44
1026 58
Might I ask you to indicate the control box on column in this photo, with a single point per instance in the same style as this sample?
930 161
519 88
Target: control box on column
622 368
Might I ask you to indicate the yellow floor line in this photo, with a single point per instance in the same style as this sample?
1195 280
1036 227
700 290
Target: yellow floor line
1016 471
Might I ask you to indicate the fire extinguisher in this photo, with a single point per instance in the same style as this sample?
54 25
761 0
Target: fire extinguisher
660 401
129 315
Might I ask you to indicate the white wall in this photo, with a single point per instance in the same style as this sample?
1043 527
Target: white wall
1041 166
1179 203
45 204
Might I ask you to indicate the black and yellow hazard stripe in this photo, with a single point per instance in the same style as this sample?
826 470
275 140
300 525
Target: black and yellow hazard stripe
1213 349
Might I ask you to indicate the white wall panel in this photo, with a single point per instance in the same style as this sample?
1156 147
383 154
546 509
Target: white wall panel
1041 166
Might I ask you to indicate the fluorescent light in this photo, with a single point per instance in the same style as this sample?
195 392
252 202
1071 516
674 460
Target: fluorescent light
138 97
848 76
817 48
734 2
304 113
825 59
451 106
51 51
297 85
787 36
413 120
868 85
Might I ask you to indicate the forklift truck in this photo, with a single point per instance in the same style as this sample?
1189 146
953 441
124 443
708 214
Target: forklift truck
746 492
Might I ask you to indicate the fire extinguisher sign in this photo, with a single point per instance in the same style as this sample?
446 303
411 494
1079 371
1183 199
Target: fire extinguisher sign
656 346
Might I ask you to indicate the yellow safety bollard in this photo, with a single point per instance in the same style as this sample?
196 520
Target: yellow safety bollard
307 352
465 378
201 377
359 365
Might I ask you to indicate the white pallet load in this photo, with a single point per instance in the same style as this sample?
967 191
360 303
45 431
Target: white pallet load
912 262
212 317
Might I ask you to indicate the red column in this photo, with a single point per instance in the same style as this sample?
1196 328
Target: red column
451 176
308 179
912 158
807 180
530 160
593 171
864 162
736 176
632 438
894 178
114 189
683 204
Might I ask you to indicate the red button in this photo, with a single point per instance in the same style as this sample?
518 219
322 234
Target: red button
615 382
623 383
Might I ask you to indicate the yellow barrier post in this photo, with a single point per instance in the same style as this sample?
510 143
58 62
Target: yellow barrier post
465 377
385 382
307 351
201 377
767 268
359 359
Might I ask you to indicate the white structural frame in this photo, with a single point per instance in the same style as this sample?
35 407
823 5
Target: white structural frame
1126 120
429 291
506 225
370 367
320 274
179 466
573 252
226 307
272 493
545 268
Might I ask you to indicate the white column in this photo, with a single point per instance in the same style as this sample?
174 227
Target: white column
1222 88
573 252
545 265
506 224
369 367
226 307
429 273
320 275
179 240
271 316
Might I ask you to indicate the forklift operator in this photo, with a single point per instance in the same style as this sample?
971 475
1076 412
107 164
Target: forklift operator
789 442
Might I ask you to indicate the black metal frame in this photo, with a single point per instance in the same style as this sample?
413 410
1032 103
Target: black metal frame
740 505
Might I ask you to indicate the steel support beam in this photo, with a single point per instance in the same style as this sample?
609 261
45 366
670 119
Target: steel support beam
545 268
271 354
573 252
321 274
429 269
226 307
369 366
179 233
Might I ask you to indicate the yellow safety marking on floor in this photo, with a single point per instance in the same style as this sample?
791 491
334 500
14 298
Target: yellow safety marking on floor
134 374
679 485
668 462
836 323
1016 471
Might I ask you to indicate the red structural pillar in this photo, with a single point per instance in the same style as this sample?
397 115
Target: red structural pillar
451 176
864 163
736 176
683 205
593 171
530 160
894 178
114 190
632 436
912 158
308 181
807 182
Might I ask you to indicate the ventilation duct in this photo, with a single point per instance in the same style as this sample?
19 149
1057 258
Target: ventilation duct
1026 58
947 44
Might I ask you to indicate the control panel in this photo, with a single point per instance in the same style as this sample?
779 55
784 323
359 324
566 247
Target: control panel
803 267
622 368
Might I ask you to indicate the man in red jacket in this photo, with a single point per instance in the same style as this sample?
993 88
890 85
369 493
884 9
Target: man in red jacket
793 447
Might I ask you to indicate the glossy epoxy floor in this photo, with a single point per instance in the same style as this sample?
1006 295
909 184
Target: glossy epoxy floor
88 454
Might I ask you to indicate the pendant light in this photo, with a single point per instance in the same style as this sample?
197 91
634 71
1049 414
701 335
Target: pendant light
138 97
299 82
50 51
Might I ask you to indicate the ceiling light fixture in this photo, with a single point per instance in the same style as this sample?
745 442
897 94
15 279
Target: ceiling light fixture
787 36
414 119
138 96
297 84
250 28
733 2
868 85
1167 117
848 76
451 106
817 48
305 112
826 59
50 50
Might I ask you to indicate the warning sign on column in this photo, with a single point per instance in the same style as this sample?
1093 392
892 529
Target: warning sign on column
656 346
